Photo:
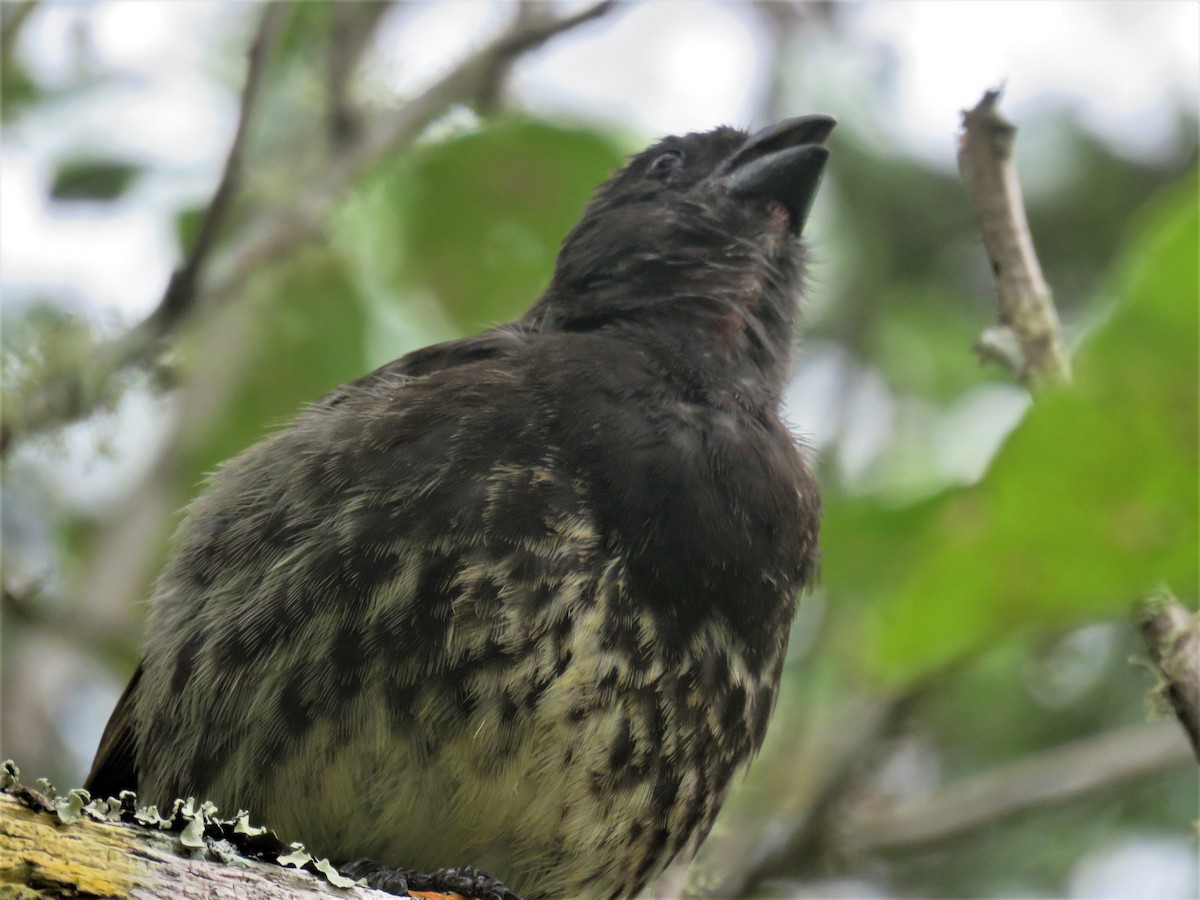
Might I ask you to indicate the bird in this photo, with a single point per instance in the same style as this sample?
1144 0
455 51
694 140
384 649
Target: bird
514 607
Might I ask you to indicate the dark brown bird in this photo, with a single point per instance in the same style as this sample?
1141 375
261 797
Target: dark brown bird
518 601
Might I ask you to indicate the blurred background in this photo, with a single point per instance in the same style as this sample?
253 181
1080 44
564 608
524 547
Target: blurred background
960 715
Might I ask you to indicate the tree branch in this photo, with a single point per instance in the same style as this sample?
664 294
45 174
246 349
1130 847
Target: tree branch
49 854
1054 777
181 290
25 607
1172 633
805 836
1027 341
844 820
353 26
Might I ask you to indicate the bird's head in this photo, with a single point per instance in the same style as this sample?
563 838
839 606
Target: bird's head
694 223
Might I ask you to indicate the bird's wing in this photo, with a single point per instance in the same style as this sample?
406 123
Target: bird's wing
392 547
115 767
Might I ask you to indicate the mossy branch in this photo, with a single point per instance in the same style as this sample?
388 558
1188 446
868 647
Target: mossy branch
1172 634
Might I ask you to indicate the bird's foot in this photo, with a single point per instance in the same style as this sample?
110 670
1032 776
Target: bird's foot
465 880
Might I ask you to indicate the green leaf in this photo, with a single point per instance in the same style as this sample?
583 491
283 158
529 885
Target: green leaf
482 215
187 226
306 32
1092 500
298 333
19 91
92 179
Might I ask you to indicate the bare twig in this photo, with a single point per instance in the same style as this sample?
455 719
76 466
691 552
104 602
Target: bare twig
463 83
1027 341
845 820
73 394
275 234
181 290
26 607
1172 632
353 25
1056 776
788 25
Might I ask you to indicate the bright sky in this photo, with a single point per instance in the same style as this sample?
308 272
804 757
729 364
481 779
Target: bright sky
1123 66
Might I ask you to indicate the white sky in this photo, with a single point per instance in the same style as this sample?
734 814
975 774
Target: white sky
1121 65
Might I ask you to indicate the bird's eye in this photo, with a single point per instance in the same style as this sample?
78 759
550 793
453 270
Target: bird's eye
666 163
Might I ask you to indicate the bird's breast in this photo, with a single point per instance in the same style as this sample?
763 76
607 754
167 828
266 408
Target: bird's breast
712 510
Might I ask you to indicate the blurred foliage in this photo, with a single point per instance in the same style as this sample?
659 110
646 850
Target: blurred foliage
298 335
502 198
187 225
92 179
913 286
474 220
44 345
44 340
19 91
1004 602
1092 500
307 31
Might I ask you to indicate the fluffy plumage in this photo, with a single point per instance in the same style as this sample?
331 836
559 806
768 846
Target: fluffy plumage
518 601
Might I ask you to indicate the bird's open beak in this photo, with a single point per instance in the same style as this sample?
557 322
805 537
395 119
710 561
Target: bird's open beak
783 162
